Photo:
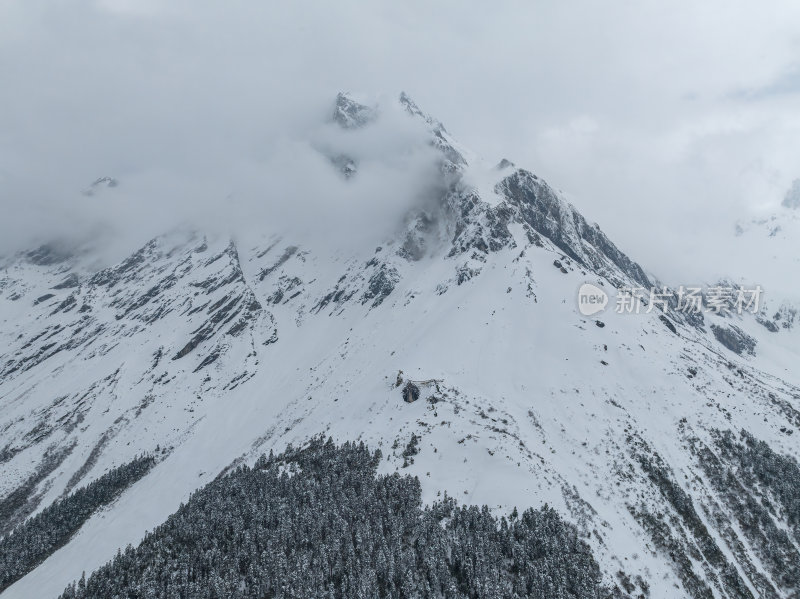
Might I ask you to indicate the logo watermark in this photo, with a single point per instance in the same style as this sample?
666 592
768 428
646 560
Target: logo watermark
687 299
591 299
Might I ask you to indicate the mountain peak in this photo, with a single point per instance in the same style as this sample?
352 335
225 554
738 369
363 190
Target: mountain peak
350 114
100 183
504 164
214 351
414 110
411 106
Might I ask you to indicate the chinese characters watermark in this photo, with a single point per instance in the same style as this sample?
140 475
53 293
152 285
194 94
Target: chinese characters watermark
686 299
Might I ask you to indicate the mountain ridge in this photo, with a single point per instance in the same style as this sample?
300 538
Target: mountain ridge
216 350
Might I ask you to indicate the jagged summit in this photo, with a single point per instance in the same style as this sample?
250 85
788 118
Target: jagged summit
546 213
441 138
100 184
414 110
210 351
504 164
465 220
350 114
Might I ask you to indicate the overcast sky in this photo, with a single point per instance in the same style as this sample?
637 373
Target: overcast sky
664 122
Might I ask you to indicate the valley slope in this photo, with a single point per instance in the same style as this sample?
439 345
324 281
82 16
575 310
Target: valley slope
209 351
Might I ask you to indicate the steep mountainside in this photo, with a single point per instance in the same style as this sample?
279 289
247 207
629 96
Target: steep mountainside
210 351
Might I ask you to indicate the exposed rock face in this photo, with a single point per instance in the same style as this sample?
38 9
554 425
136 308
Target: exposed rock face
539 206
768 324
479 226
504 164
71 281
668 324
151 285
441 139
178 346
410 392
48 255
345 165
734 339
381 284
287 253
100 184
350 114
792 198
787 315
467 226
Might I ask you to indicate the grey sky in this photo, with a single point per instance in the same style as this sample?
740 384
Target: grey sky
664 122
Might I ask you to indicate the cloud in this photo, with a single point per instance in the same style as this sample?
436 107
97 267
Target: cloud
288 182
787 82
630 108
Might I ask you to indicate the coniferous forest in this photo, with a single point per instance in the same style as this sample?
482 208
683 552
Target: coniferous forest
320 522
30 544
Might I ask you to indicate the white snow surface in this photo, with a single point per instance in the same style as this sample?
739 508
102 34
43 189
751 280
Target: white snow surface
534 404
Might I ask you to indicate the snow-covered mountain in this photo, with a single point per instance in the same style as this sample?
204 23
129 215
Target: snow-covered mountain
766 248
211 350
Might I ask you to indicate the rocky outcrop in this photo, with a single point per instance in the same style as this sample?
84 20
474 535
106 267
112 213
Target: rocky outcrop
49 254
100 184
535 203
410 392
350 114
440 140
380 285
786 316
735 339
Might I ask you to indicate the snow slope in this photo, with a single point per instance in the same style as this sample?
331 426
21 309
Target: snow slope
211 351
